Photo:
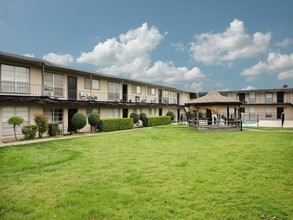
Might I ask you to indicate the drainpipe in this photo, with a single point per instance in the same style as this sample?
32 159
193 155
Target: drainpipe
43 80
91 80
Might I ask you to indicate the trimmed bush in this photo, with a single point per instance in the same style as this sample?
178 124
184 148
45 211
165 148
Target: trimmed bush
53 130
41 121
171 114
134 116
116 124
94 120
15 120
144 118
159 120
29 131
78 120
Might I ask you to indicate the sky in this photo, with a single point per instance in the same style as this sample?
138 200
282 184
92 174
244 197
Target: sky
193 45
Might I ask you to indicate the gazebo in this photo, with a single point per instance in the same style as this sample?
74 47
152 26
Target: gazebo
214 112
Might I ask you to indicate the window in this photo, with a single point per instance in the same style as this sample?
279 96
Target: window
91 84
114 113
269 97
151 91
251 113
173 97
54 84
91 110
113 91
14 79
231 95
54 115
137 110
165 96
268 112
252 97
136 89
8 112
152 111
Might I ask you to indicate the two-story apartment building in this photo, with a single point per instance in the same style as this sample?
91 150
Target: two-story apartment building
263 107
29 86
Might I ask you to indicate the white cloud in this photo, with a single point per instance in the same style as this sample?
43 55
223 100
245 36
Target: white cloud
285 43
230 45
131 48
286 75
29 55
178 46
61 59
129 55
168 72
248 88
281 64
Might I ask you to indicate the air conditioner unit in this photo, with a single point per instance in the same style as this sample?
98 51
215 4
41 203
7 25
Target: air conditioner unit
48 93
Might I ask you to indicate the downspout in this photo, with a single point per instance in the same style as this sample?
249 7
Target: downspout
43 80
91 80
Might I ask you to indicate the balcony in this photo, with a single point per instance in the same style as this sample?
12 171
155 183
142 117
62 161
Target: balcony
37 90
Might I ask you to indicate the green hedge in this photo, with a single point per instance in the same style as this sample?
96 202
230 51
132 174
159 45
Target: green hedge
159 120
116 124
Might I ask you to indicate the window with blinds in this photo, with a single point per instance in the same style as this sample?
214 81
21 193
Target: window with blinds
14 79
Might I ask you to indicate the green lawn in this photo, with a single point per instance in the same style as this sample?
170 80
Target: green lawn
168 172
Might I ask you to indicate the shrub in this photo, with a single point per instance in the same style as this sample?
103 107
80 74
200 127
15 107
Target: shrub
159 120
53 130
78 120
41 121
94 120
171 114
15 120
29 131
115 124
190 115
143 117
134 116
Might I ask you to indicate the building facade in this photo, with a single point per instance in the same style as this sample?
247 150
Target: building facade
263 107
29 86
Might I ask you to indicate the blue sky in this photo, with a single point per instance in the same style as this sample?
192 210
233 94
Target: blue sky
195 45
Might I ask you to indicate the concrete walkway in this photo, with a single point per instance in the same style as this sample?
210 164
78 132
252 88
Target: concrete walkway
46 139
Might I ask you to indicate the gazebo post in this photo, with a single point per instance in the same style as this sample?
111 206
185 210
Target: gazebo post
197 118
227 119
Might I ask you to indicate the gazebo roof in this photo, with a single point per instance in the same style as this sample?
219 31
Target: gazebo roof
214 98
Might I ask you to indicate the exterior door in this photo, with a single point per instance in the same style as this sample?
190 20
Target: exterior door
72 87
160 95
280 97
242 97
71 112
124 93
280 110
125 113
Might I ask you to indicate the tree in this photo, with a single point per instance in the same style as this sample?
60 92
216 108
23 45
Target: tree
78 120
41 121
94 120
144 118
171 114
15 121
134 116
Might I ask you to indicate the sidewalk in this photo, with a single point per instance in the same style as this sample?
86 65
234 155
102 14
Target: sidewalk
46 139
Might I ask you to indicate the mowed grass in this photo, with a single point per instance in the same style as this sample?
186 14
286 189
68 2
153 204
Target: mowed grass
168 172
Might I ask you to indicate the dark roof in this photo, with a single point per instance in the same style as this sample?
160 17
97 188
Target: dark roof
55 67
